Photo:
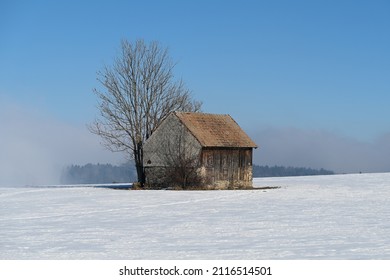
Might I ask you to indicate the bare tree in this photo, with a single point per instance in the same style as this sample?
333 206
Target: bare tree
138 92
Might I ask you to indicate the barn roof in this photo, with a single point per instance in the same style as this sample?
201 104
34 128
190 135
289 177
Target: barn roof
212 130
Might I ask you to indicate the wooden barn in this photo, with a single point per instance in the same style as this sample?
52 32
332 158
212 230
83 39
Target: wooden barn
196 145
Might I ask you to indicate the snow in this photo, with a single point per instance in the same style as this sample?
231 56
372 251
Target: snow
318 217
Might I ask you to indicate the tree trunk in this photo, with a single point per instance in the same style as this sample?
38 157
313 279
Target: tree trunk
139 165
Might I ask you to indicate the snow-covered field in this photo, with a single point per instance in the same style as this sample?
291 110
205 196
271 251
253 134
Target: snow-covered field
320 217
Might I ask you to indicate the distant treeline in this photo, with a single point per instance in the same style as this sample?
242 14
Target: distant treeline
126 173
282 171
99 174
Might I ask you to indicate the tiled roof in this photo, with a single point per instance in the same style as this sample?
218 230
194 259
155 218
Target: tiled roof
212 130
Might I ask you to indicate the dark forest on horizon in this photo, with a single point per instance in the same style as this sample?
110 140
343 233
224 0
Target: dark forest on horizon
126 173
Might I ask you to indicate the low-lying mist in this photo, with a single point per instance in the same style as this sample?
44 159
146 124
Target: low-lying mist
34 148
321 149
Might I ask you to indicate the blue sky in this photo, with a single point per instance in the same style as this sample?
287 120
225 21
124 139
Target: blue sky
291 70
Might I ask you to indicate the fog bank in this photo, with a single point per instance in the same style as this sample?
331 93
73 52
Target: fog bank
34 148
321 149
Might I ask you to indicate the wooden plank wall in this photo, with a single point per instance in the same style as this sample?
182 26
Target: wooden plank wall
228 166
